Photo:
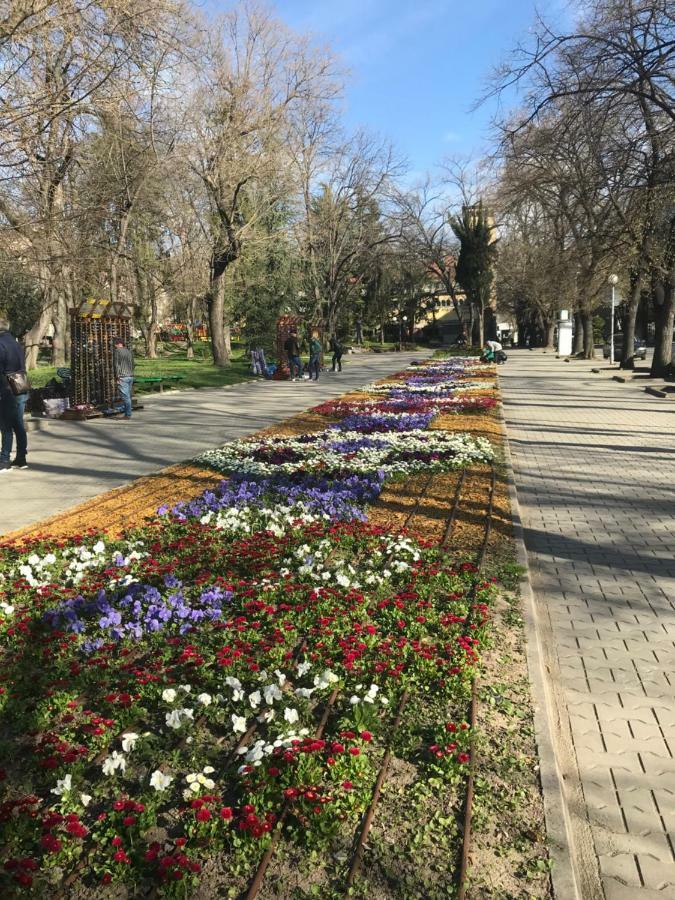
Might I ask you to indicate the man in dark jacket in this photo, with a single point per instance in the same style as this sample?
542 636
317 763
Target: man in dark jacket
337 351
123 363
11 408
292 349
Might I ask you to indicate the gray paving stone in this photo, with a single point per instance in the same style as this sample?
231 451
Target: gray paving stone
595 474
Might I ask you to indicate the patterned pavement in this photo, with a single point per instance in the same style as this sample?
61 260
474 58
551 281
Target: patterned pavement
594 464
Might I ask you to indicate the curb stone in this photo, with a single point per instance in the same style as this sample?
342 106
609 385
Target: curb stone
575 873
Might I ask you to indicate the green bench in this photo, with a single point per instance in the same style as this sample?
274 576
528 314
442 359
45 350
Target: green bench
158 380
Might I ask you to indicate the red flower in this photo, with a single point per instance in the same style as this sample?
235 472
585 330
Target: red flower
202 815
116 842
129 820
347 785
463 757
121 857
50 843
354 751
366 736
226 813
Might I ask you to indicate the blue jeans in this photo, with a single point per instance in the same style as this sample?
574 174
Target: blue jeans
11 423
295 365
314 365
125 385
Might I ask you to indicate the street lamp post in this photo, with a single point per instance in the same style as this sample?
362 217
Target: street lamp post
401 320
613 281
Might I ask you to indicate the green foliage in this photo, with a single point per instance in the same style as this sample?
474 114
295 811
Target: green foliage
19 299
477 255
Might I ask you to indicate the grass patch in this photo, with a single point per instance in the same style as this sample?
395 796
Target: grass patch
197 373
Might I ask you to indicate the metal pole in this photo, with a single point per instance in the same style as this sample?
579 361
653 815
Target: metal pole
611 332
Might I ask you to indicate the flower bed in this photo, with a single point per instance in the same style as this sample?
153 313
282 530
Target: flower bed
163 693
347 453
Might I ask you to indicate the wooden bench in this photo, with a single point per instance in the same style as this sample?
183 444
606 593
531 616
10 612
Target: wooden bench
158 380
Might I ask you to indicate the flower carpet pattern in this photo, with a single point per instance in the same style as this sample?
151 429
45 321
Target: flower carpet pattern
170 696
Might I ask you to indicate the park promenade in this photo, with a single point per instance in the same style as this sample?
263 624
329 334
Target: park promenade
71 462
594 465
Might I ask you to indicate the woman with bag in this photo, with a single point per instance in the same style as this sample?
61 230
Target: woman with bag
14 387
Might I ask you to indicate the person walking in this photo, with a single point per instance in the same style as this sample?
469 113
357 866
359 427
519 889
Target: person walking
123 364
337 350
12 404
292 349
315 350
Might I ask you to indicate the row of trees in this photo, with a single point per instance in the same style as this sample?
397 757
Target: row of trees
151 156
586 173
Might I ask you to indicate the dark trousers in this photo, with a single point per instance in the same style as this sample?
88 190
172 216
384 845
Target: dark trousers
314 364
11 423
337 361
295 366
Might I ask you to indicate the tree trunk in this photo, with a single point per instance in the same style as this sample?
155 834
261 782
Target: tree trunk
578 347
480 327
190 352
549 330
664 319
60 323
35 334
587 322
628 352
216 303
153 326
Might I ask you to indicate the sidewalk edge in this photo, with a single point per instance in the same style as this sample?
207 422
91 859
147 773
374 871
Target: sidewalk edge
572 878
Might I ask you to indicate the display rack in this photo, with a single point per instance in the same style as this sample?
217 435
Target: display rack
94 327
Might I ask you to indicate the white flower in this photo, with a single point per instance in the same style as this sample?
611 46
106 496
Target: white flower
191 778
304 692
129 739
234 683
159 781
204 699
238 724
326 678
208 770
354 700
254 699
303 668
291 715
114 762
98 547
173 718
280 677
85 799
63 785
272 693
168 695
185 687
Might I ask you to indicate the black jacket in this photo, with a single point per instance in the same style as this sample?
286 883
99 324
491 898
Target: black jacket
12 359
291 346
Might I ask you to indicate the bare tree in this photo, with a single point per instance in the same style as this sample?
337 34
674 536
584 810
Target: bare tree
257 72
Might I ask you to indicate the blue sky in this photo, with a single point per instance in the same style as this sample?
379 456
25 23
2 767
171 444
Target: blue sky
417 66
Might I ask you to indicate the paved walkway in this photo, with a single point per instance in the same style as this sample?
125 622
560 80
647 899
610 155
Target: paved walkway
70 462
595 473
